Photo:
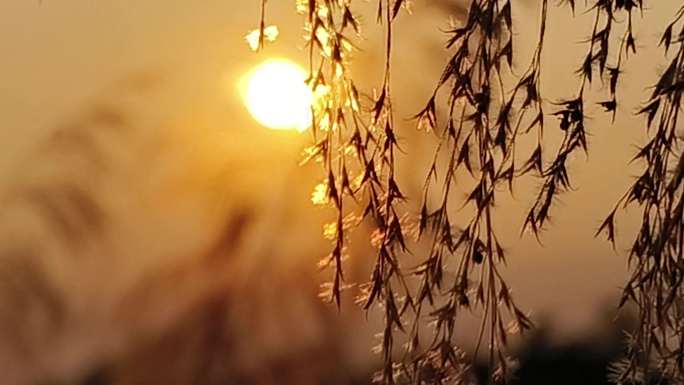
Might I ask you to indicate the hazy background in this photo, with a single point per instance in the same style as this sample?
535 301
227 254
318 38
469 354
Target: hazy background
135 104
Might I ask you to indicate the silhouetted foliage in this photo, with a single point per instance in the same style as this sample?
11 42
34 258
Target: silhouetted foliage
479 115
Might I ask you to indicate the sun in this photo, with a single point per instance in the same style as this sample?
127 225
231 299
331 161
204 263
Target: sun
277 96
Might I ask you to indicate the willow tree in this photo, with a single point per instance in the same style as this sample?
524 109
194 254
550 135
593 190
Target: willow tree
480 115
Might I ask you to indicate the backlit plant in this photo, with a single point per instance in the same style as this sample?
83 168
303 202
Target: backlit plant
481 112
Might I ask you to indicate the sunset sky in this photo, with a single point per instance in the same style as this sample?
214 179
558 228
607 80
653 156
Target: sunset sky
175 66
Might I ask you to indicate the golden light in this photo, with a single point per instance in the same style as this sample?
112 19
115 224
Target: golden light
277 96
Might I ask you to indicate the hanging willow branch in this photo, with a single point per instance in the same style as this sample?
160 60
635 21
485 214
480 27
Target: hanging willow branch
483 126
356 144
656 349
480 111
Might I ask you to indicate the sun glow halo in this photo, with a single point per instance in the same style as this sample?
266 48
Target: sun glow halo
277 96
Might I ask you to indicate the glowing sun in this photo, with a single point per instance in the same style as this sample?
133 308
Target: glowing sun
276 95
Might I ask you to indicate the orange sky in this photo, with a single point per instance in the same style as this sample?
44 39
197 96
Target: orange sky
59 56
